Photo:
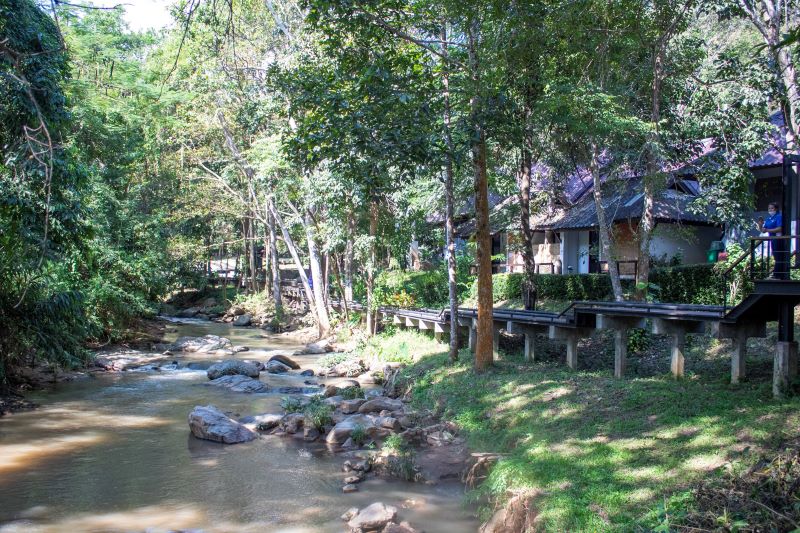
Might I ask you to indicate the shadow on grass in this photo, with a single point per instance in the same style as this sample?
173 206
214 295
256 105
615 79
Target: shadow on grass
603 452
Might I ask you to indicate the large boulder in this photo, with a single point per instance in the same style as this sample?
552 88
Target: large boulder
207 344
232 367
319 347
276 367
209 423
286 360
349 407
342 430
188 313
240 384
373 517
243 320
379 404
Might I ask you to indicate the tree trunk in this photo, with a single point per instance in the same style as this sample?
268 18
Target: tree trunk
524 181
484 352
452 288
349 253
606 237
274 266
318 284
339 282
287 238
373 231
251 227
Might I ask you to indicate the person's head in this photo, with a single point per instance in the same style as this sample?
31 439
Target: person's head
773 208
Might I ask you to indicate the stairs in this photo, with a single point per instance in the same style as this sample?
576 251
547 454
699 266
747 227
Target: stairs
763 304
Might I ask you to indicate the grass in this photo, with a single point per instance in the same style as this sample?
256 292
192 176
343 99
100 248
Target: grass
604 454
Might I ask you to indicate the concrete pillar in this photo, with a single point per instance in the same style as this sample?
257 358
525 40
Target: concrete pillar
437 336
738 369
496 343
785 367
620 352
473 337
530 347
572 352
677 359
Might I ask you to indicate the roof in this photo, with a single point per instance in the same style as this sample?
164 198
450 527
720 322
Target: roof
505 217
623 199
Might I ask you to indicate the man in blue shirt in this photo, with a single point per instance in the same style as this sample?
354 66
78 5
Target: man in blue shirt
773 226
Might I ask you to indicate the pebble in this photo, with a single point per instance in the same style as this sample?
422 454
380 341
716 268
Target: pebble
349 488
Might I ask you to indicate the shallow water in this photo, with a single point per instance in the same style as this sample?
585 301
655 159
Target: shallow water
114 453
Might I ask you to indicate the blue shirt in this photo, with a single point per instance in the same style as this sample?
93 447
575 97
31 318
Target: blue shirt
774 221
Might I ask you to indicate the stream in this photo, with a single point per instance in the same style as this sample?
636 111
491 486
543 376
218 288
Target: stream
113 452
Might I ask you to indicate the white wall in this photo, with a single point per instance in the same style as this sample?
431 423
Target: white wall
692 241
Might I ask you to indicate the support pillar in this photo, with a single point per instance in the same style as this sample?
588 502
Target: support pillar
530 347
473 337
572 352
620 352
785 367
529 332
496 342
738 357
676 363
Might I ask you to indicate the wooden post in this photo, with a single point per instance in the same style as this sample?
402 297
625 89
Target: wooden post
530 347
473 336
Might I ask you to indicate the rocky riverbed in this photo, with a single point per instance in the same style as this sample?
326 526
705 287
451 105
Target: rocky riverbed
113 450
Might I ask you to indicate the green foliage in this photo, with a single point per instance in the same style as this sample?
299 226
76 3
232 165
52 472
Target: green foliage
550 286
332 359
292 404
359 435
351 393
318 413
697 284
394 444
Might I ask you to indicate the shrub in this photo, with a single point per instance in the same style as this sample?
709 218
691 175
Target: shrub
318 413
351 393
550 286
333 359
291 404
696 284
359 435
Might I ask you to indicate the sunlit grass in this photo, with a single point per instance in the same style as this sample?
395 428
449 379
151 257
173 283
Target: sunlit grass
601 452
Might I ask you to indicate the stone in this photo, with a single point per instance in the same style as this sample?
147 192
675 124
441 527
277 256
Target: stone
236 310
276 367
362 466
238 349
379 404
263 422
345 383
367 379
188 312
334 401
310 434
342 430
388 422
352 479
373 517
286 360
319 347
239 383
243 320
349 407
209 423
350 513
206 344
349 488
307 372
232 367
293 422
402 527
330 390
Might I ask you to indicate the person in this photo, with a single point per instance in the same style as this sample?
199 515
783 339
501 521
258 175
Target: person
773 227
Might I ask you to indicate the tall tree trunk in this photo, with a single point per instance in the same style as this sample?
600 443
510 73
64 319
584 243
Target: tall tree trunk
349 253
373 231
287 238
605 230
273 263
484 353
339 282
452 288
251 227
318 285
524 182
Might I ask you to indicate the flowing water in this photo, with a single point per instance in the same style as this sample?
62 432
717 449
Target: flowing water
113 452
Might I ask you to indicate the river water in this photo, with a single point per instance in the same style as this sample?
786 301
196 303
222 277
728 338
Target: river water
113 452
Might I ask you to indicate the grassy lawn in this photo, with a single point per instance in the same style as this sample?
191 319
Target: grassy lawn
603 454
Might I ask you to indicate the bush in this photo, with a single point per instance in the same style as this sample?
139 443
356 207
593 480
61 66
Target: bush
550 286
318 413
290 404
695 284
351 393
359 435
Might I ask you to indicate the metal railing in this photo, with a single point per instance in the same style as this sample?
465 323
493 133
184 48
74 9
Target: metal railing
768 258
